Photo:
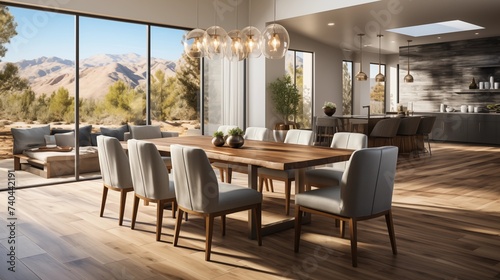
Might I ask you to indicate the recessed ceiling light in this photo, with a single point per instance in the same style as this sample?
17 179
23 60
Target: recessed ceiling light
477 33
331 23
436 28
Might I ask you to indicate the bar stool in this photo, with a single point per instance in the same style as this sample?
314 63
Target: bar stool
423 131
384 132
406 135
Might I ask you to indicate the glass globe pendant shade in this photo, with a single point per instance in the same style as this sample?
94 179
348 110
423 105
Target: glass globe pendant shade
236 49
252 42
193 43
275 41
215 42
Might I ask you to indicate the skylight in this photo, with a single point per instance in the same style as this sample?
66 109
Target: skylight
436 28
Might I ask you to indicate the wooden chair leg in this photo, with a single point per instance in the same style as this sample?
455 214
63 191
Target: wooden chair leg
298 225
174 208
342 229
209 227
178 225
223 224
134 211
354 241
257 211
261 183
390 229
266 182
221 172
123 200
146 203
103 202
271 185
159 218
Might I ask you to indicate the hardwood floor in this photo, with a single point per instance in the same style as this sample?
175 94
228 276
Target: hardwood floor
446 213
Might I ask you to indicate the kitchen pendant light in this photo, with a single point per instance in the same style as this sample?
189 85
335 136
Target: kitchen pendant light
361 76
408 77
275 40
253 38
215 41
380 77
193 41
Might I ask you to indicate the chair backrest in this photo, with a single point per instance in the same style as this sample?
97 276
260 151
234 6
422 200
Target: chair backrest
149 172
196 186
140 132
367 184
386 128
324 128
408 126
256 133
114 164
299 136
426 125
226 128
348 140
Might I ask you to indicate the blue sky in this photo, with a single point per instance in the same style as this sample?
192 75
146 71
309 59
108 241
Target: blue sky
42 33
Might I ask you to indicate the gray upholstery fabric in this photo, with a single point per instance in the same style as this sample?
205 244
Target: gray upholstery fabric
408 126
386 128
118 132
149 173
196 185
114 163
141 132
365 189
25 138
256 133
65 139
332 174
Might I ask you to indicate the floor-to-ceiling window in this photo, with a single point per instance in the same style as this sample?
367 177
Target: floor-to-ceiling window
377 90
347 87
299 65
39 79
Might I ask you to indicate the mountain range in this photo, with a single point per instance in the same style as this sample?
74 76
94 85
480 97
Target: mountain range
97 73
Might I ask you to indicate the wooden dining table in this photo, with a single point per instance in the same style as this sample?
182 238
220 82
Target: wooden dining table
257 154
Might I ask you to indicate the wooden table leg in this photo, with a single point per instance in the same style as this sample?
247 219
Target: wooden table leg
252 183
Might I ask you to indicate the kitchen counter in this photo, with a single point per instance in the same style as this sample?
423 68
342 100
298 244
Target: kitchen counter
481 128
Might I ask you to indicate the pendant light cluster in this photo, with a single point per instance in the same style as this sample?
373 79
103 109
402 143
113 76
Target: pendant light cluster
215 43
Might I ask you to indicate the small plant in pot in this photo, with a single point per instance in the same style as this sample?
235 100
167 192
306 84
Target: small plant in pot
329 108
235 139
218 139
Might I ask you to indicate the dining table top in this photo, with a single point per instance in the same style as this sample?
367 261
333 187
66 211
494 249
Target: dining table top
274 155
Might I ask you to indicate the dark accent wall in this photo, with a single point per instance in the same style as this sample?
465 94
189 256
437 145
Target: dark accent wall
440 70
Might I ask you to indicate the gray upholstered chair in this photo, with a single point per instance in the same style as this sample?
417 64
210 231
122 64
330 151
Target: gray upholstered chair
406 137
384 132
115 171
251 133
294 136
199 193
423 131
365 192
330 175
150 179
143 132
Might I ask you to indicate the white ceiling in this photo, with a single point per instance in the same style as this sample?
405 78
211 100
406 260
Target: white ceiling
379 16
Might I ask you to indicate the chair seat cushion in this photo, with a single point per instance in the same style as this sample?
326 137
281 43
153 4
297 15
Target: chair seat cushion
273 173
325 176
231 196
325 199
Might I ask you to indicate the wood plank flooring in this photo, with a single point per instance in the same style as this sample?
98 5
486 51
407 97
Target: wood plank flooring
446 214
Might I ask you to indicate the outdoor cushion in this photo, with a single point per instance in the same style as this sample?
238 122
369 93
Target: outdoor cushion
25 138
118 132
85 131
65 139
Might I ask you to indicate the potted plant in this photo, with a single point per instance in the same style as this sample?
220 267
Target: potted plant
329 108
235 139
286 97
218 139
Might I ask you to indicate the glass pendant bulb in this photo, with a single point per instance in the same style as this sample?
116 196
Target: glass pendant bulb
408 78
193 43
361 76
236 48
215 42
275 41
252 42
